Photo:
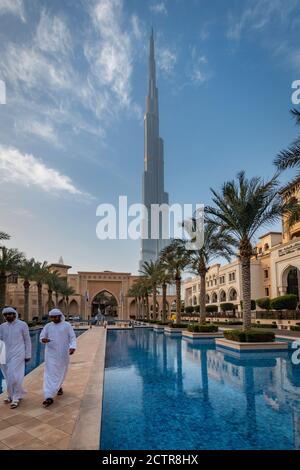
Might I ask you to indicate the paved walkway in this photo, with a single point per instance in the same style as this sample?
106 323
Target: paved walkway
67 424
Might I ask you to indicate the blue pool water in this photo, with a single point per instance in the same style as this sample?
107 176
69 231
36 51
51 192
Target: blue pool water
166 393
37 353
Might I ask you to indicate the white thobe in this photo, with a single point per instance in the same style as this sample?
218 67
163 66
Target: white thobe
18 348
62 339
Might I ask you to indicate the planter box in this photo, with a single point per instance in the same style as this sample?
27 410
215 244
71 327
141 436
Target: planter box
249 347
174 332
158 328
191 335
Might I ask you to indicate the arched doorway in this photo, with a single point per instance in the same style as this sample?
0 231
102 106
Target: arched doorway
292 282
73 308
106 304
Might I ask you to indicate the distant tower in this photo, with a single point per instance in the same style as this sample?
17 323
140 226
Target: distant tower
153 177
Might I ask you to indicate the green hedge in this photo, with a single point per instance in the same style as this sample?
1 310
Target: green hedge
264 325
253 304
189 309
177 325
264 303
230 323
203 328
225 307
250 336
197 309
285 302
211 308
295 328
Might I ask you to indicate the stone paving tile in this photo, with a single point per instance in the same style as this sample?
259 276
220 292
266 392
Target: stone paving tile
17 419
56 435
32 427
3 447
21 438
35 444
39 430
29 424
67 426
9 431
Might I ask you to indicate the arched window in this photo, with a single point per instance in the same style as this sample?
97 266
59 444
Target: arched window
222 296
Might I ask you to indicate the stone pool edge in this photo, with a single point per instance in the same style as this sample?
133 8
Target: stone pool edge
87 431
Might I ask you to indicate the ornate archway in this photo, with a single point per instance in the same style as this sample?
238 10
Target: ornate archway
105 303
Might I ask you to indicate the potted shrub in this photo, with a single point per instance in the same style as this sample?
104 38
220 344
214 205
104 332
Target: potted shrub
284 302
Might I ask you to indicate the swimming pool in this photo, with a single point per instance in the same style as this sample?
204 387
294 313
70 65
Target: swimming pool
168 393
37 353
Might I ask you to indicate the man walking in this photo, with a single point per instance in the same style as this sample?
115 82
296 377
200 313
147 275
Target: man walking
15 335
60 341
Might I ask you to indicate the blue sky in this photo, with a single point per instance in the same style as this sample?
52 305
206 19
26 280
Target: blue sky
71 133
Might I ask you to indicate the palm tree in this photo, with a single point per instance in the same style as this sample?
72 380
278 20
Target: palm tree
4 236
241 208
27 272
290 158
40 277
216 244
164 278
145 291
134 291
151 270
10 262
52 282
176 258
66 292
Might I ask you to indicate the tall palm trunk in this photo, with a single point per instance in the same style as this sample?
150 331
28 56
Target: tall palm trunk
202 273
246 289
154 301
67 307
40 300
2 290
178 299
50 301
164 302
26 285
56 299
147 306
245 255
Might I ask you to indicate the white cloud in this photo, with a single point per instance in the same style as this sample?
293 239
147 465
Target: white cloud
42 130
110 56
53 34
13 7
26 65
198 68
27 170
258 14
166 59
136 27
159 8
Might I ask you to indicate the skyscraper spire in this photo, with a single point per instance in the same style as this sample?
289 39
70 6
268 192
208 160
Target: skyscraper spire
153 178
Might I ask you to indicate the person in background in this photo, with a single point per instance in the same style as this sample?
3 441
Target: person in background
16 337
60 341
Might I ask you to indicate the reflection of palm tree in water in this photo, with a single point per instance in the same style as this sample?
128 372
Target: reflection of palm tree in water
251 422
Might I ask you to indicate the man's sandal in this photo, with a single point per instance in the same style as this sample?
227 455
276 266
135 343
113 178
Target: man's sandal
60 392
14 404
48 402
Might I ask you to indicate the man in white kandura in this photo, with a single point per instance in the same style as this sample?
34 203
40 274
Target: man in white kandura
60 341
15 335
